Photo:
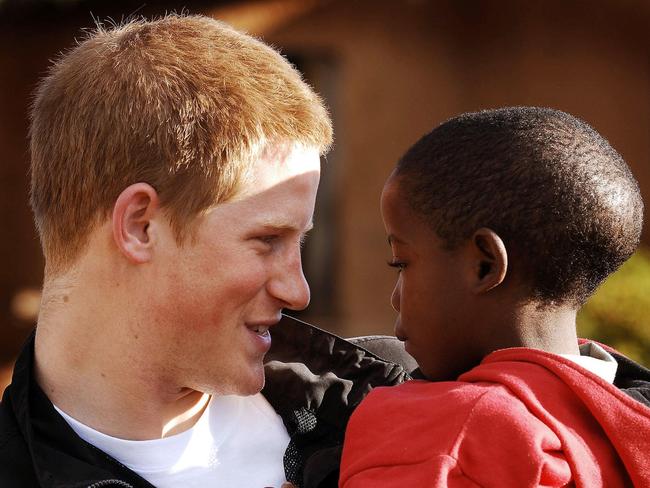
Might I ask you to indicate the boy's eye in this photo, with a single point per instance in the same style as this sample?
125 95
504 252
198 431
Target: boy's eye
400 265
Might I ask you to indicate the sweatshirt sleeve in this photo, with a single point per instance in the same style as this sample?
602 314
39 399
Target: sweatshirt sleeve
504 444
436 472
392 442
477 438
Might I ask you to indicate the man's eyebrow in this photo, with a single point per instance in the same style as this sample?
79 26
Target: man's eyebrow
284 227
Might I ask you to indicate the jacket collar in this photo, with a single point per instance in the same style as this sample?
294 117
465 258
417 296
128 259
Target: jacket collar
309 368
314 380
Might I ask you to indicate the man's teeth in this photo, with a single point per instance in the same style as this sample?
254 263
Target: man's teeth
261 329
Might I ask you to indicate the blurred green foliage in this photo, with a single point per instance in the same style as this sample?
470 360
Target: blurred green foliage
618 314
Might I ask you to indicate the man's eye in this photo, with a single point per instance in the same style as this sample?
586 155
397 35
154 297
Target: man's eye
268 239
400 265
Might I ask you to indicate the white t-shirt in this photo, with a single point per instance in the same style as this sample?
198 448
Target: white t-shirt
595 359
237 442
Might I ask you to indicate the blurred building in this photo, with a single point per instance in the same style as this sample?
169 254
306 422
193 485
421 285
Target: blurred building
390 70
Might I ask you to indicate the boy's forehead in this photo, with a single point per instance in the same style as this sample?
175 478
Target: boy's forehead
388 197
397 215
393 199
404 226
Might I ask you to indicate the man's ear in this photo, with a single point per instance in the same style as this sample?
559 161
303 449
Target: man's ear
490 260
132 215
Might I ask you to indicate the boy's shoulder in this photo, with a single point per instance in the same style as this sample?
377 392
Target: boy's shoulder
441 410
419 401
417 394
519 407
453 429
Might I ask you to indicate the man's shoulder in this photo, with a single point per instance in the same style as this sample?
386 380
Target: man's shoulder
16 467
8 425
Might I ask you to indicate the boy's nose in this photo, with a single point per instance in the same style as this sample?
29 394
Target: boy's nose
395 297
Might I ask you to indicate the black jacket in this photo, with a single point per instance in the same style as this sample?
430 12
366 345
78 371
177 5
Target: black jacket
314 380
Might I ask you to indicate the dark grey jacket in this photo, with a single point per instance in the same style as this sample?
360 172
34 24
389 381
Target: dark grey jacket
314 380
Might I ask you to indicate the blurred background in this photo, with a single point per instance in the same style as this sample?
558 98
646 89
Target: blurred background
389 71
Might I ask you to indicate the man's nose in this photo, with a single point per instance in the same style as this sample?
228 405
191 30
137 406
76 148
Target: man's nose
396 296
289 284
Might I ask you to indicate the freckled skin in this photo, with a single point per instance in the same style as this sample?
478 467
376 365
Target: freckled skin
237 271
187 319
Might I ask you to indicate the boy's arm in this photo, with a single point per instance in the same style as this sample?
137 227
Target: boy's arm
441 471
485 438
503 444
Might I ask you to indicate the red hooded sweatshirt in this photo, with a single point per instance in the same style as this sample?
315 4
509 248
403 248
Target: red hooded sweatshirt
522 418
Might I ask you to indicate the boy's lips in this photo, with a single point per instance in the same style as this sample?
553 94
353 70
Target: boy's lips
400 334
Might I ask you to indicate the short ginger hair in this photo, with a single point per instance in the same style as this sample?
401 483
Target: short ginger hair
184 103
562 199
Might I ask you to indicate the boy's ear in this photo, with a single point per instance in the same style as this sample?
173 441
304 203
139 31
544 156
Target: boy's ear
133 212
490 260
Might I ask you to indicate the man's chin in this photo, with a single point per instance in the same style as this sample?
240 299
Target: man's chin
251 384
244 382
255 384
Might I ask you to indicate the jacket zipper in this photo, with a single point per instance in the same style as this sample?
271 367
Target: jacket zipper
102 483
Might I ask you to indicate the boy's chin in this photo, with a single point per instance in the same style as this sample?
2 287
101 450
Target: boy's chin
437 373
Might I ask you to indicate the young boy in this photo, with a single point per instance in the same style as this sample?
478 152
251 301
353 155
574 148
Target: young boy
501 224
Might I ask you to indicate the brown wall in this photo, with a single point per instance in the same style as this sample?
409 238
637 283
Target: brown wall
23 56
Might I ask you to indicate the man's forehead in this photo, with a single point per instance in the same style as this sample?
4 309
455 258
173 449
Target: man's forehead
279 180
250 218
285 160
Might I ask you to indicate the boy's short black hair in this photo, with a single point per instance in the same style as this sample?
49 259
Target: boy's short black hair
561 198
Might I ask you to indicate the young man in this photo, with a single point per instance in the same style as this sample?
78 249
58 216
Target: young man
175 165
501 224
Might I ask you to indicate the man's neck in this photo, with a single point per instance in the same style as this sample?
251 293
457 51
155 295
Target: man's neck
92 369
